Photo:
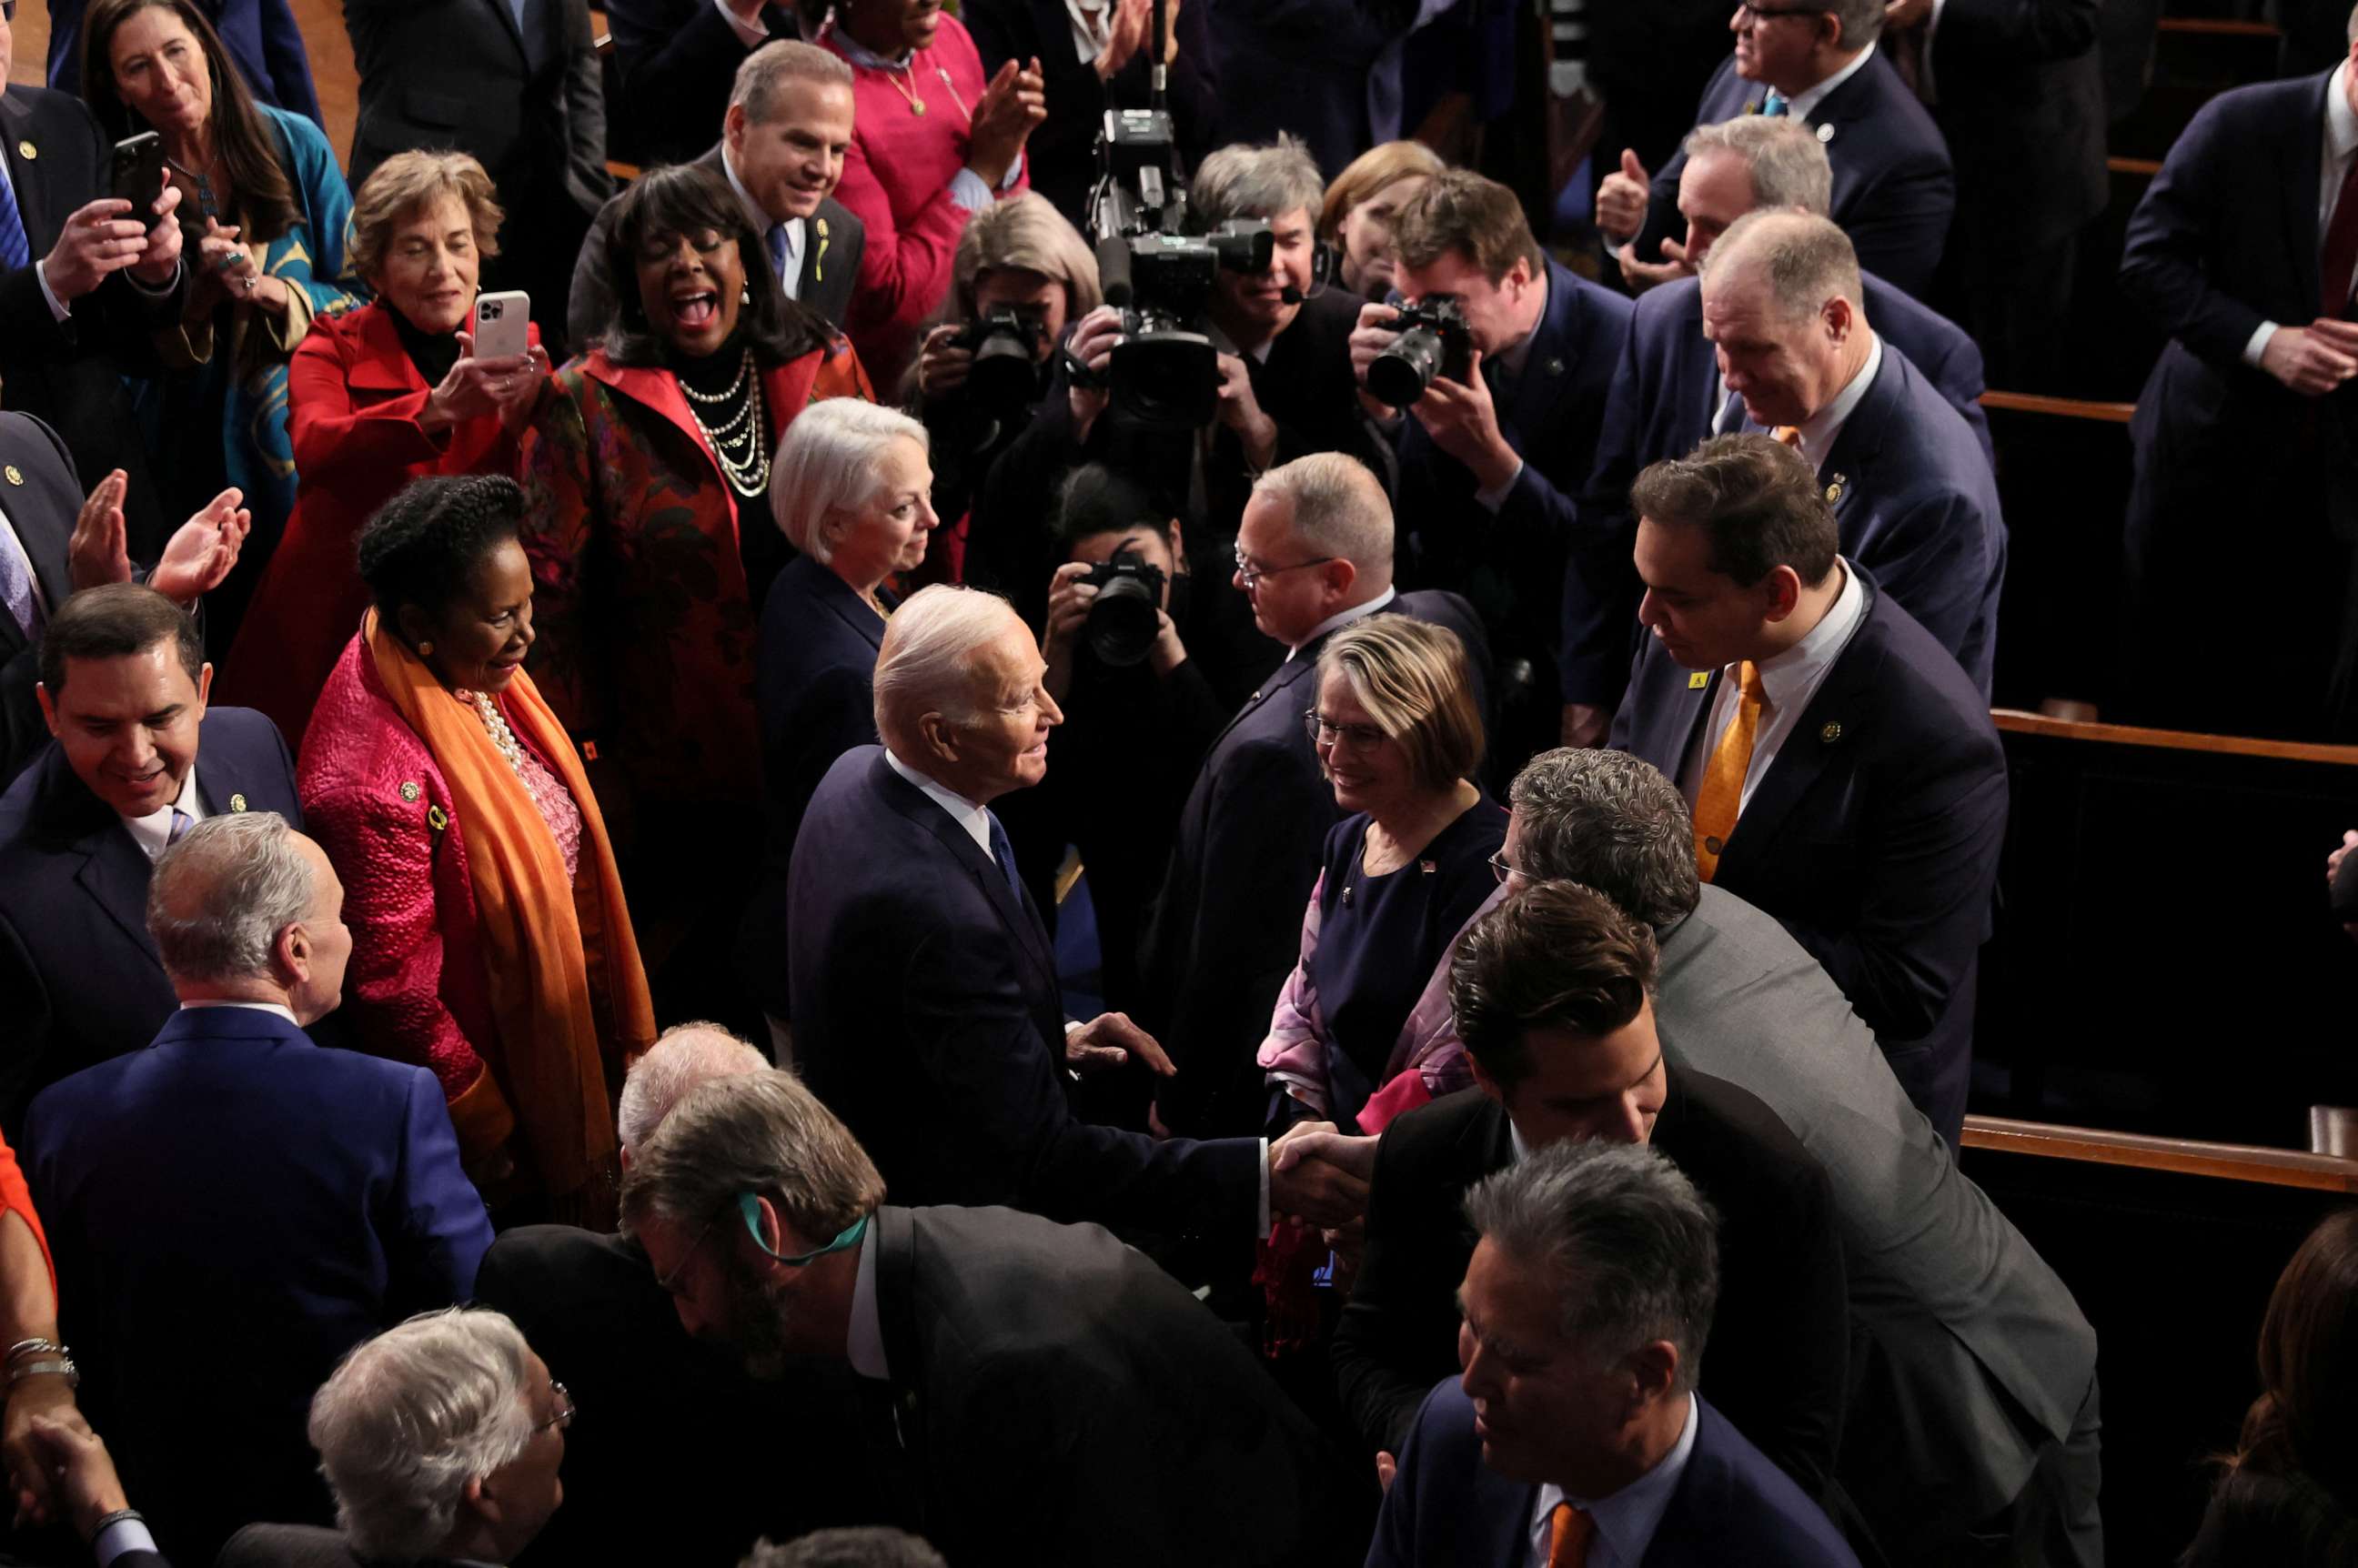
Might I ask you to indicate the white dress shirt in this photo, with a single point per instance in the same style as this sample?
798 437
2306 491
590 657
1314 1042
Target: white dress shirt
1800 105
153 832
1626 1520
285 1012
1342 618
752 34
1092 27
1788 681
790 279
2341 146
967 814
1820 430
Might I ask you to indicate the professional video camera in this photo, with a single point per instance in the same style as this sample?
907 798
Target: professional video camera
1125 616
1005 343
1434 340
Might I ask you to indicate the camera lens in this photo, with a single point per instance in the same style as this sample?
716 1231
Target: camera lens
1400 375
1122 623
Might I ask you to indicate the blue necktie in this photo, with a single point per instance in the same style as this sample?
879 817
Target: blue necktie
777 238
14 251
1773 106
1004 853
18 591
181 823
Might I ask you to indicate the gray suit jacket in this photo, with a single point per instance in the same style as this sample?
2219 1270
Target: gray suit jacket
831 263
1974 1352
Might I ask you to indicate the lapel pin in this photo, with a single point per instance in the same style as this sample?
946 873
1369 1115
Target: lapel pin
436 819
1698 679
1833 491
1753 107
27 150
237 803
1556 367
1713 845
1832 732
409 790
14 474
1825 132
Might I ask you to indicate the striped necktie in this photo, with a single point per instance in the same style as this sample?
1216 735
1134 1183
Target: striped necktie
181 823
15 252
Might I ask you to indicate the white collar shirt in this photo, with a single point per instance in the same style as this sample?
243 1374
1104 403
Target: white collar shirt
1341 618
153 832
790 277
1626 1520
967 814
1821 429
2341 147
270 1007
1801 105
1788 682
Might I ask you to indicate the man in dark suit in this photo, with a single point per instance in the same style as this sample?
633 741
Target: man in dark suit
84 288
2247 413
262 37
124 683
1314 555
1970 1364
926 1009
1576 1421
1845 774
1300 66
1894 190
1044 1393
1912 492
1669 394
1062 151
516 85
1550 1070
783 140
1489 463
675 62
235 1207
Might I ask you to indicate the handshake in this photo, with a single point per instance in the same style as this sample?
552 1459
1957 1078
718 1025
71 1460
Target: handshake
1320 1175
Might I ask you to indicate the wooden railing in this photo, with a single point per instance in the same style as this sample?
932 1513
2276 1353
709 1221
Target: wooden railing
2185 1156
2022 723
2060 407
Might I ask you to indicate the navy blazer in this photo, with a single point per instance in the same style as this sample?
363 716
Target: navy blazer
231 1211
1662 406
1731 1505
1508 564
1874 836
1227 926
42 509
2226 238
928 1015
676 63
261 36
1895 189
80 981
814 689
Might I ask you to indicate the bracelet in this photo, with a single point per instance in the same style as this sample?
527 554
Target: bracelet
61 1369
35 1346
109 1521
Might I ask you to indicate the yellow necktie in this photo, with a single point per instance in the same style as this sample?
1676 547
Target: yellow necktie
1790 435
1568 1533
1721 795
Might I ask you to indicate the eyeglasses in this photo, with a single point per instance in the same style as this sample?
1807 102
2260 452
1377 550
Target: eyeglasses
1499 869
1362 737
1249 574
564 1409
749 1206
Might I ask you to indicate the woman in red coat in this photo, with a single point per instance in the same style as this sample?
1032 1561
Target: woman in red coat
491 944
646 476
378 397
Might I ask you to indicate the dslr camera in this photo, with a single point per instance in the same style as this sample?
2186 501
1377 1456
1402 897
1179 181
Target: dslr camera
1005 343
1433 340
1124 618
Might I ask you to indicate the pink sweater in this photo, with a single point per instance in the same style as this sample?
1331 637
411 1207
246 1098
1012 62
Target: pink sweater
896 182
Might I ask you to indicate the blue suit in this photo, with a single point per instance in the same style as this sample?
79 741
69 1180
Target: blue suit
1895 189
80 981
1873 838
1665 399
814 687
1508 564
1731 1504
1227 928
261 36
928 1015
232 1210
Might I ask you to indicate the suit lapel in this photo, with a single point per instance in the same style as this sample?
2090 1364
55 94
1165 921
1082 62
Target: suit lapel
1828 724
1280 680
114 872
2304 164
1544 377
894 1236
1017 914
506 15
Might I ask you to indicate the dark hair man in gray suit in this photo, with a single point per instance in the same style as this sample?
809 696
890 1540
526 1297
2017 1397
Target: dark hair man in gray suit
1973 1390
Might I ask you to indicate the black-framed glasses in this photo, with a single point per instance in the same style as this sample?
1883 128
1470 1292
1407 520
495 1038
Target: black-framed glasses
1249 574
1362 737
564 1409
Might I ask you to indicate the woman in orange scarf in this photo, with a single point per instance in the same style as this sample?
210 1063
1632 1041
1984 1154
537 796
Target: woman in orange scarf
490 939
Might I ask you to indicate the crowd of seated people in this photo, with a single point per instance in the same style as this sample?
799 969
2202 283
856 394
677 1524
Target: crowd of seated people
883 873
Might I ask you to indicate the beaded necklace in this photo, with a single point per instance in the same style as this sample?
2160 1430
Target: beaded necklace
495 724
741 443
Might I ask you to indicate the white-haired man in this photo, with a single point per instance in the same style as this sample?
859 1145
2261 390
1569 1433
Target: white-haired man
441 1440
926 1009
233 1207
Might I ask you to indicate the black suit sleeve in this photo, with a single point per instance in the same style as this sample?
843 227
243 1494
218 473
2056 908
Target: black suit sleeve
671 67
585 107
589 302
1397 1335
2164 258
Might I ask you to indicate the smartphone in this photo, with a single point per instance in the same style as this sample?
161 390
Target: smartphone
502 324
138 175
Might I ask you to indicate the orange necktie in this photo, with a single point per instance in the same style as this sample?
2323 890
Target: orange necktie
1721 795
1790 435
1569 1530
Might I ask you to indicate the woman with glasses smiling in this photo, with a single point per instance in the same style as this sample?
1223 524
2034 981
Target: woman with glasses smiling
1362 1030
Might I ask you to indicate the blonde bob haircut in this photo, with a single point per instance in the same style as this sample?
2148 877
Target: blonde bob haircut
408 184
1386 163
1411 678
1026 234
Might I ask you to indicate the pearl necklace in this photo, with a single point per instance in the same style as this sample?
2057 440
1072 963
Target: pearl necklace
741 445
495 724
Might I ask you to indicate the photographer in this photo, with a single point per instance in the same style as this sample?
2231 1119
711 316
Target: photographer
1510 359
1021 276
1149 656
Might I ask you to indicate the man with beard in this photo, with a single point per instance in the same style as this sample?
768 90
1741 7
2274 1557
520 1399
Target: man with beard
1040 1393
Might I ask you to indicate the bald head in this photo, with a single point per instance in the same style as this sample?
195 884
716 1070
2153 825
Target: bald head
244 908
682 1057
1783 305
959 693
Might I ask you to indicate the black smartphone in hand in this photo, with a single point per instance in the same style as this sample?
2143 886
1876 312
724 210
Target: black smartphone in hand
138 175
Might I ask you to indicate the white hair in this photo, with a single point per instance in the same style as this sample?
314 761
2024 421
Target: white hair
926 664
411 1417
828 459
220 896
683 1056
1339 509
